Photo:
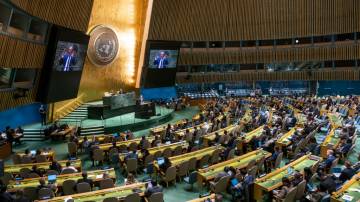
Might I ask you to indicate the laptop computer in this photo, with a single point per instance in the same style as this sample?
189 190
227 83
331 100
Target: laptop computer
52 179
160 161
33 152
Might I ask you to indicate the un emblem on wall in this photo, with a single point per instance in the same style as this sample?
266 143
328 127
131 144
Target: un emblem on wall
103 45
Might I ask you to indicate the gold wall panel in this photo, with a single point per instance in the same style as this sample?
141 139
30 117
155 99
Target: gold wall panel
248 75
203 56
15 53
233 20
127 18
73 14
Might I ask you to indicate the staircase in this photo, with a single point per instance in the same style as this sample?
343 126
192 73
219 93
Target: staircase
96 130
78 114
33 135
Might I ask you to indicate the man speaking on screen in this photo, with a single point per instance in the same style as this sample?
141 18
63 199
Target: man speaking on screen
68 58
161 60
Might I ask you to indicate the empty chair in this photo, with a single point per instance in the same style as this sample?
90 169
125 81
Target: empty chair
45 193
40 158
98 155
192 164
215 156
204 161
157 154
170 175
133 146
16 158
52 172
106 183
24 172
278 160
134 197
72 148
300 190
131 165
83 187
68 187
26 159
111 199
290 196
177 151
183 169
31 193
167 152
260 164
191 179
231 154
156 197
220 186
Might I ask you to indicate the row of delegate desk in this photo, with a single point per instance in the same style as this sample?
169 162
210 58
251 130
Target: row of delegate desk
96 176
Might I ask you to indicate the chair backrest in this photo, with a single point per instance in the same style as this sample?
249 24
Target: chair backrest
183 169
215 156
157 154
114 155
72 148
26 159
133 146
106 183
231 154
156 197
278 160
98 155
16 158
131 165
148 159
313 177
177 151
192 164
111 199
134 197
300 190
24 172
252 171
41 158
45 193
260 164
204 161
250 164
67 171
83 187
167 152
221 185
7 178
33 175
31 193
146 144
290 196
170 174
68 187
122 148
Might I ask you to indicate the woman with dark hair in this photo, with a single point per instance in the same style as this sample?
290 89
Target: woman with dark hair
284 190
